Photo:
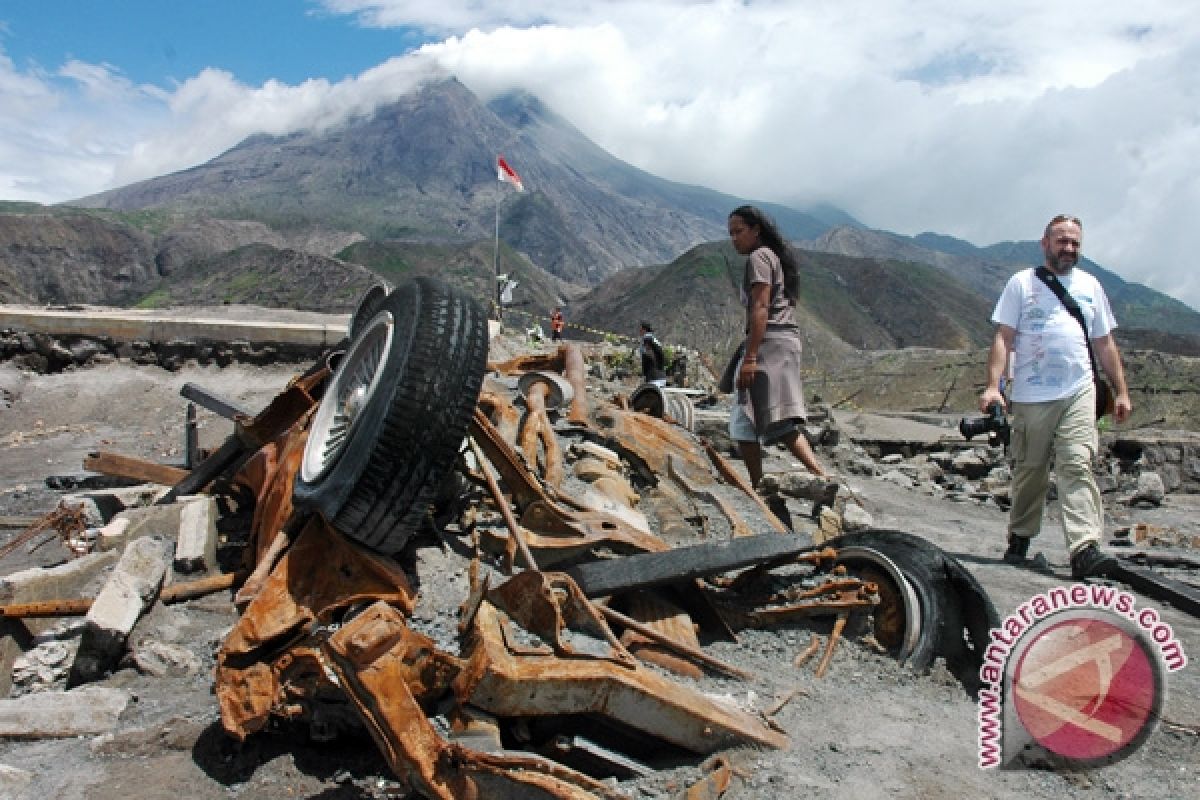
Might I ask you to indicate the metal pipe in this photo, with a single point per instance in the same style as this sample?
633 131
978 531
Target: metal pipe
514 527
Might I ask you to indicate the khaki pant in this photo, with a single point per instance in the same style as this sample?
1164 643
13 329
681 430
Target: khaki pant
1064 430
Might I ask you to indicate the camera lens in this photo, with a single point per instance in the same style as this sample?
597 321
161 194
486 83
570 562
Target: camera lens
973 427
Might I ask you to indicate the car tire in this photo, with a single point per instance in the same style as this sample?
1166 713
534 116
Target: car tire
925 566
394 414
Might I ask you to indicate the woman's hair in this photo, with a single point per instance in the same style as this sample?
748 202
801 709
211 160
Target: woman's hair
769 237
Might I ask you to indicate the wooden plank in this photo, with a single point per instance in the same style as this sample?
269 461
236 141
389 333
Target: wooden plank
1184 597
134 468
599 578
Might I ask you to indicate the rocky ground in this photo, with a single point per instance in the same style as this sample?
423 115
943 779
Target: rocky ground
869 728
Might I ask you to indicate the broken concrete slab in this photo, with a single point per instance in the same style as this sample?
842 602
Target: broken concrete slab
161 521
133 585
196 543
51 583
37 584
102 505
46 715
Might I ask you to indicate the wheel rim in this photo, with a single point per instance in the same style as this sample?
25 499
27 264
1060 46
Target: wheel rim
349 392
899 612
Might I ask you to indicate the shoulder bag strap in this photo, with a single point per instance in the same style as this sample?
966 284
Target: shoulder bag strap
1051 280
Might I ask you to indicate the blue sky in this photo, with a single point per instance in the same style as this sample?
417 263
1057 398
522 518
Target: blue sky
973 118
164 42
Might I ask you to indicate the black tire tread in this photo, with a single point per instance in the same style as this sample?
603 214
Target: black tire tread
437 363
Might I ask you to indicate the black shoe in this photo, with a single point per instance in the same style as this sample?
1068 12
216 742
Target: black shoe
1090 561
1018 549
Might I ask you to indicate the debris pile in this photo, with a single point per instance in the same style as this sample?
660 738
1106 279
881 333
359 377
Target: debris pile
510 581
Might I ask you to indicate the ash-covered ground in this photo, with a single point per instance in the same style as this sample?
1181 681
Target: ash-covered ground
868 728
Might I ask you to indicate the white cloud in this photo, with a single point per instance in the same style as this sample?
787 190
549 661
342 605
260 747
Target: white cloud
968 117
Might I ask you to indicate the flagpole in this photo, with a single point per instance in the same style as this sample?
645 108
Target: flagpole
495 255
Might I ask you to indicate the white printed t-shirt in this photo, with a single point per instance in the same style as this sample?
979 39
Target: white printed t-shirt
1051 355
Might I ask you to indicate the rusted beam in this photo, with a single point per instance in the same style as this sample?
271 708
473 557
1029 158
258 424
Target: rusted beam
78 606
834 635
680 647
43 609
514 527
189 590
133 468
575 370
726 471
512 682
814 646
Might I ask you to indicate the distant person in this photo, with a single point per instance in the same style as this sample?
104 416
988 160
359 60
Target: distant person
654 361
1053 394
770 395
556 325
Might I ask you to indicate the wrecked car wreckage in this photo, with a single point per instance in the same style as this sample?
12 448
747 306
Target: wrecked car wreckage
603 542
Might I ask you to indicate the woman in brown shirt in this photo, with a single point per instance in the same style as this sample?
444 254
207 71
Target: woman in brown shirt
770 394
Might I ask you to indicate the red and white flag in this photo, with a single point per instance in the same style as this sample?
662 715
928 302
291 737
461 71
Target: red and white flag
507 174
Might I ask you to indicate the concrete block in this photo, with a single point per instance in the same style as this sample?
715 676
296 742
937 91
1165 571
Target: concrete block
131 588
102 505
160 521
196 543
47 715
65 581
113 535
54 583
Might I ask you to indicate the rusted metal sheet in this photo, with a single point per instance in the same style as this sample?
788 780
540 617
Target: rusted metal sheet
270 475
551 523
322 572
388 671
668 621
575 527
596 677
653 441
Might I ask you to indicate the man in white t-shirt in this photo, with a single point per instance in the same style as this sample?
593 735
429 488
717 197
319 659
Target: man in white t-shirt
1053 397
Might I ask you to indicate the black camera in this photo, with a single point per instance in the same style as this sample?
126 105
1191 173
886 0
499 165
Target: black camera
995 425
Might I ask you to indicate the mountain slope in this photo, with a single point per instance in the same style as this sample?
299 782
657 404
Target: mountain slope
989 268
845 303
423 167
